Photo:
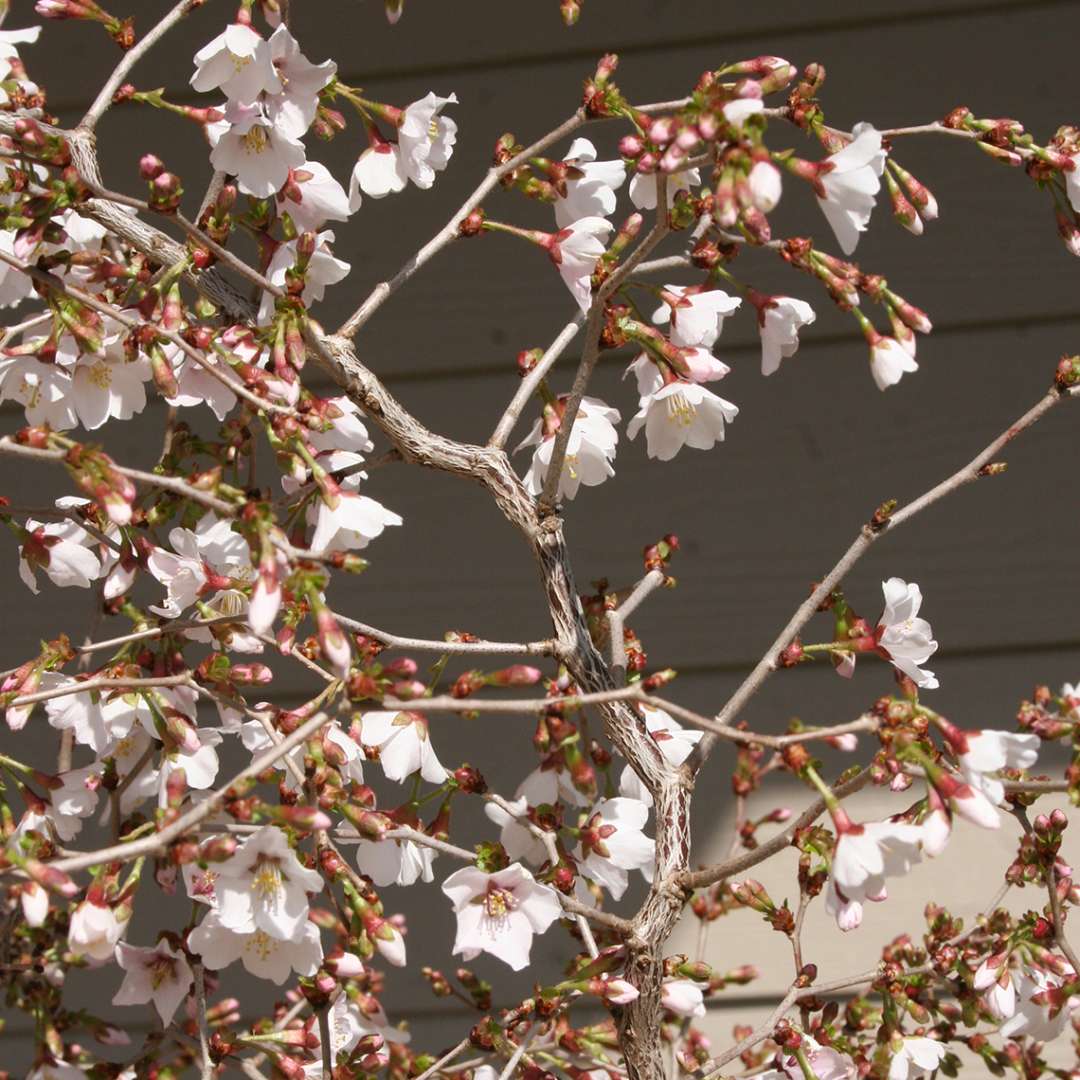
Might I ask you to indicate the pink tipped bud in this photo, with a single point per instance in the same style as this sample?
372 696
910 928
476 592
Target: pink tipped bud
50 878
150 167
334 644
631 146
516 675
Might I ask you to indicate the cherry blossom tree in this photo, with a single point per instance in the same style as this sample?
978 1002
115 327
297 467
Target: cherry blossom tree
222 565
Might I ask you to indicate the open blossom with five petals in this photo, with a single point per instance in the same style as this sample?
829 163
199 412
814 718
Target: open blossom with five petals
264 887
576 250
916 1057
589 450
780 318
612 844
213 551
403 744
239 63
903 637
592 194
681 414
250 146
160 974
696 318
864 857
850 183
499 913
263 955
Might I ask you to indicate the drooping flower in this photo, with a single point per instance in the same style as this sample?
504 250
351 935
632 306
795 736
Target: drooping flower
696 318
994 976
576 250
889 361
1042 1010
612 844
592 194
403 744
864 857
263 955
63 550
378 172
499 913
681 414
765 185
590 449
239 63
904 638
312 197
353 523
395 862
983 753
519 841
851 183
780 318
916 1057
160 974
95 929
426 138
264 887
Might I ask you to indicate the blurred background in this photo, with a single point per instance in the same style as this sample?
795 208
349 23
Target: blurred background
814 450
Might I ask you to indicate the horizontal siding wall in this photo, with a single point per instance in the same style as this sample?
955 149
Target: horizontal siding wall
813 451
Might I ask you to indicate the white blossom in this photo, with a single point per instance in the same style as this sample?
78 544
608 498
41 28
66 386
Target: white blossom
160 974
323 269
696 318
779 323
239 63
395 862
293 108
765 184
248 145
865 856
426 138
890 362
643 186
404 745
353 523
379 171
263 955
499 913
576 251
94 930
264 887
917 1057
1044 1019
590 450
593 193
905 638
994 976
66 546
617 844
851 185
313 197
681 414
982 753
